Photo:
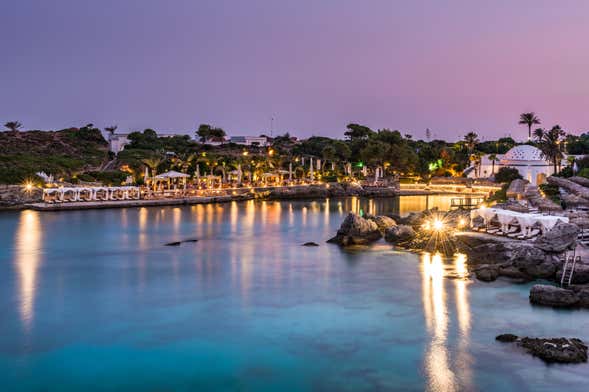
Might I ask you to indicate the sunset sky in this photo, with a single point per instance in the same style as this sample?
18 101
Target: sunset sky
452 66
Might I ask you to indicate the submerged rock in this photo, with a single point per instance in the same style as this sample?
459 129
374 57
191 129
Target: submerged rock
506 338
310 244
550 350
356 230
542 294
559 350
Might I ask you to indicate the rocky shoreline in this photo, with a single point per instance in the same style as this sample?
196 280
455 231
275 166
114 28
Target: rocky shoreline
488 257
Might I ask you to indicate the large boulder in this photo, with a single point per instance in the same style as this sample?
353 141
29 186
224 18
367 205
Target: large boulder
356 230
558 239
487 272
583 297
399 234
546 295
383 222
534 262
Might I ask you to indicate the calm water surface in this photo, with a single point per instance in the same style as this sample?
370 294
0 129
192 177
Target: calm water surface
92 300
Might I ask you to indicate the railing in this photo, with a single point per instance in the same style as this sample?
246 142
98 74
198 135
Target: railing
466 202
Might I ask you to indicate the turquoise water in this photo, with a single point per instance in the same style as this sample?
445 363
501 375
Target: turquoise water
93 301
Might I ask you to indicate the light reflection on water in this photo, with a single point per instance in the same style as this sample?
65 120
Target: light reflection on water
246 286
28 248
442 375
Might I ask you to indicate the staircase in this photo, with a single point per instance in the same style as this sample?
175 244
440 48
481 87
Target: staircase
569 270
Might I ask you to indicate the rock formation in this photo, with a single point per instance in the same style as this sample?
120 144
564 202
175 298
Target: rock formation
356 230
551 350
542 294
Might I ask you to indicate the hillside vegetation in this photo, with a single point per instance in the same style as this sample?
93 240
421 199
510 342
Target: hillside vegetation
61 153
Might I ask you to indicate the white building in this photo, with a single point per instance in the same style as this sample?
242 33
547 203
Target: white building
261 141
526 159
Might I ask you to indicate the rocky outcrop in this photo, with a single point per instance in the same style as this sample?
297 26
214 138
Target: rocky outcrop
580 180
550 350
383 222
14 196
534 262
487 272
536 199
356 230
399 234
541 294
580 275
570 186
558 239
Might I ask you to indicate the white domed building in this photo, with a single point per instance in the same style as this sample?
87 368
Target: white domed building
526 159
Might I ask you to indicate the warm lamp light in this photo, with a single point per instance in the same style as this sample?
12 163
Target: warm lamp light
438 225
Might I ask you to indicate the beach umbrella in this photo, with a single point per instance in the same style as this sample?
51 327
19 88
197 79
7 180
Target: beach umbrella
146 175
311 169
239 173
290 171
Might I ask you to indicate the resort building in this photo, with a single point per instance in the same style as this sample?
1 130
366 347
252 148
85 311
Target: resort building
261 141
525 158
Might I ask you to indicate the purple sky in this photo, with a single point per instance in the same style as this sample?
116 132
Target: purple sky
452 66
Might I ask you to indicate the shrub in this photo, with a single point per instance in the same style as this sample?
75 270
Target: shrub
584 172
551 191
507 174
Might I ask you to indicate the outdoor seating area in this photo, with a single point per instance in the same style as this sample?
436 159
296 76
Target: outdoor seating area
512 224
81 194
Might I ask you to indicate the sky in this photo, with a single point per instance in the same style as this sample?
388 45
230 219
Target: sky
314 66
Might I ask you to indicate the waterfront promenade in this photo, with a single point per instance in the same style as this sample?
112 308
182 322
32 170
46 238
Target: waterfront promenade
309 191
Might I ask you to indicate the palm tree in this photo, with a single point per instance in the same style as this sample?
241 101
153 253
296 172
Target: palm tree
475 158
549 143
111 130
529 119
471 140
13 125
153 164
492 158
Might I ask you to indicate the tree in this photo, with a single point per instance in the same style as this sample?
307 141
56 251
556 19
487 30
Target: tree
471 140
13 125
206 132
203 132
529 119
356 131
549 143
492 158
507 174
153 164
